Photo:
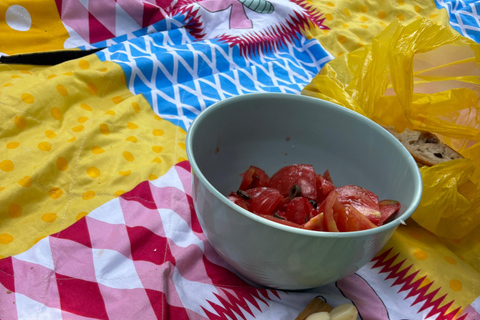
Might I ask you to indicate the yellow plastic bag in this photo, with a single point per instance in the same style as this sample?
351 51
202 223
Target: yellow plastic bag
420 76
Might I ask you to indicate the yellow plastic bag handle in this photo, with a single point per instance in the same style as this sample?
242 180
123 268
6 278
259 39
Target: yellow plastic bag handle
421 76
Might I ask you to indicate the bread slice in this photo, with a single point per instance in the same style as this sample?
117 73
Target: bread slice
425 147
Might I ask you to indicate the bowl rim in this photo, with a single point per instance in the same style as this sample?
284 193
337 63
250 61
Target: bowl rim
417 183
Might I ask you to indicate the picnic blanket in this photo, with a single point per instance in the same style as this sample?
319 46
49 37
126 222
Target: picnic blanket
96 214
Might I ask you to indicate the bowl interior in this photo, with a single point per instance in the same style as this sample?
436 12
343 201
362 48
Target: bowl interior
273 130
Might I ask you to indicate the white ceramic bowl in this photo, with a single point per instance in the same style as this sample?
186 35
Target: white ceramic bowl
271 130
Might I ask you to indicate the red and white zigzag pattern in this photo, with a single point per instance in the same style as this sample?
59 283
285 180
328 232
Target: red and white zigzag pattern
424 293
98 20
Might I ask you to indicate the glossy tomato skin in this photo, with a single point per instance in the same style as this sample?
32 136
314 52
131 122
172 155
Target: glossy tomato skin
324 187
350 219
263 200
364 222
329 223
315 223
282 206
299 210
345 220
343 209
302 175
363 200
388 208
327 176
254 177
235 198
281 221
340 217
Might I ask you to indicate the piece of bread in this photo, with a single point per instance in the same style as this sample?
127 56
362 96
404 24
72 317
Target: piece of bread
425 147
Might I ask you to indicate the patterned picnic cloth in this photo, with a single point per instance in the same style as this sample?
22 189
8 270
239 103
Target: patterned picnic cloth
96 214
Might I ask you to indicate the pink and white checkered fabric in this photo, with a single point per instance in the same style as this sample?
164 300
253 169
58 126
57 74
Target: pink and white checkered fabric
141 256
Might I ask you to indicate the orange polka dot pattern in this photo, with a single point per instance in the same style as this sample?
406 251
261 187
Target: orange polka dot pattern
437 260
68 146
353 24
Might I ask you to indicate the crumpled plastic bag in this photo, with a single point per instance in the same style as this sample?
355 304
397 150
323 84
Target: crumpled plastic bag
421 76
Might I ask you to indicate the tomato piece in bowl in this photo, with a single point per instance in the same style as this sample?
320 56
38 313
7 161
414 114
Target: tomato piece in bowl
296 196
388 208
363 200
316 223
254 177
302 175
239 201
324 187
299 210
263 200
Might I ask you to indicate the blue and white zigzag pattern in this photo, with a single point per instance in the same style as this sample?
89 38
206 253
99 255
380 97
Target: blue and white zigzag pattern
464 16
181 76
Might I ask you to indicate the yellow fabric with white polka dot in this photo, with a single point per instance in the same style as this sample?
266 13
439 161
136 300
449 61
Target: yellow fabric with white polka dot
31 26
435 258
355 23
73 137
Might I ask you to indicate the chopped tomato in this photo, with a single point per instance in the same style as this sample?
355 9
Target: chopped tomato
364 222
326 207
235 198
263 200
299 210
348 218
296 196
324 187
285 222
315 223
302 175
282 206
365 201
254 177
327 176
345 220
388 208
